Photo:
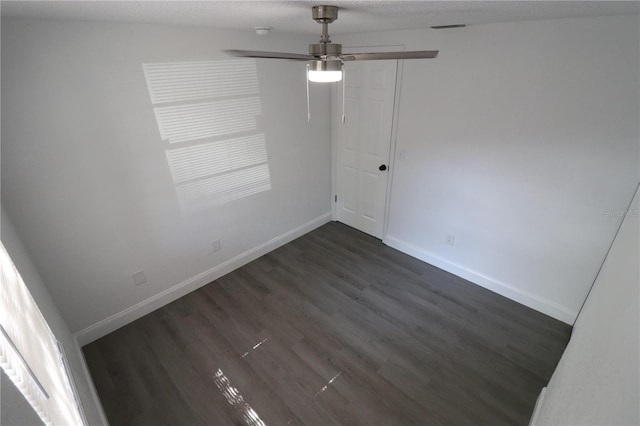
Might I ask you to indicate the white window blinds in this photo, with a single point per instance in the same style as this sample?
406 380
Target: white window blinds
29 352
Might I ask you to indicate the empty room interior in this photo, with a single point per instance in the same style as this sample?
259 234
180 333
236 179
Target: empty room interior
295 212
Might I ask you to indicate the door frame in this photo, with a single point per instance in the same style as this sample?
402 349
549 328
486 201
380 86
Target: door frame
336 121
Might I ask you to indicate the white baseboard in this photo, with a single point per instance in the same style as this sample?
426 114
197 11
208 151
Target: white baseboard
540 304
92 387
536 410
122 318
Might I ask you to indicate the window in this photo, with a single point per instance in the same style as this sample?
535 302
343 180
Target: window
30 355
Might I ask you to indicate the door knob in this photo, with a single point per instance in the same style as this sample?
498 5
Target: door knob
382 168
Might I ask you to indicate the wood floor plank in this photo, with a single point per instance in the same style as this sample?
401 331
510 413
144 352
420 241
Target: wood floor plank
332 328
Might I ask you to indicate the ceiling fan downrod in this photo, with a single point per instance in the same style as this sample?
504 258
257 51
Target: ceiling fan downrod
325 15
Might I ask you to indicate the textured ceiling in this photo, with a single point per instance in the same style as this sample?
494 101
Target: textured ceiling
295 16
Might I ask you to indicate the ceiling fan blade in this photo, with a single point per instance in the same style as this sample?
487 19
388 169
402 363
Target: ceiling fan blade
272 55
416 54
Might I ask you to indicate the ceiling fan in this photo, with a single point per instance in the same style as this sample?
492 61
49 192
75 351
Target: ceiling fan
325 61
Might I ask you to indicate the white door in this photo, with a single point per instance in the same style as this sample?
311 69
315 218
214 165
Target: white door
363 144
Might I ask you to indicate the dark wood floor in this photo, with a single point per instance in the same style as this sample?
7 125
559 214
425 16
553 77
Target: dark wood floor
333 328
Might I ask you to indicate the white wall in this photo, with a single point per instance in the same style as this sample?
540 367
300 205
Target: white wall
597 381
50 311
518 139
85 178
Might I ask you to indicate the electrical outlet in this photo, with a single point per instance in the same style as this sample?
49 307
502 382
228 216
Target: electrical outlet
450 239
216 246
139 278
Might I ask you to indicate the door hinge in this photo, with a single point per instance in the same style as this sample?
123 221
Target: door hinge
335 198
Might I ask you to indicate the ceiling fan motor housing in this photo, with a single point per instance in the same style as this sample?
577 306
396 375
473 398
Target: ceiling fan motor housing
325 49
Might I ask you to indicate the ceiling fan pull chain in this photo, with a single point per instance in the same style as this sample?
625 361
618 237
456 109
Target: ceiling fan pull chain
308 107
344 88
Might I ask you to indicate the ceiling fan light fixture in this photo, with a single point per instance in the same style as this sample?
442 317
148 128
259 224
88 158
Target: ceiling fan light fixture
325 71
